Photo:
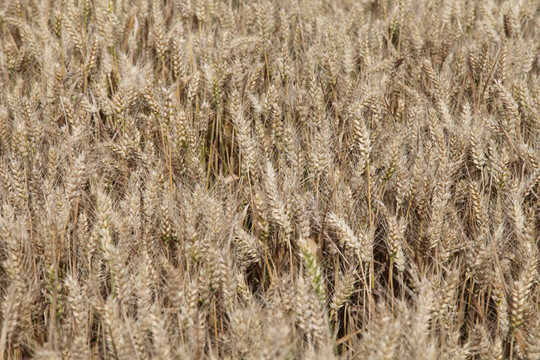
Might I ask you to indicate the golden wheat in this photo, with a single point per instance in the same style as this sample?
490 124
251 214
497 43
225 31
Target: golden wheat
269 179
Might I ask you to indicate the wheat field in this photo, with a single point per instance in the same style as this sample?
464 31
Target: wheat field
290 179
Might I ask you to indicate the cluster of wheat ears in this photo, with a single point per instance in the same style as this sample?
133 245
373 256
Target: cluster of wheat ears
291 179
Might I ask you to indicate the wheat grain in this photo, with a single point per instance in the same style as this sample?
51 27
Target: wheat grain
275 179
